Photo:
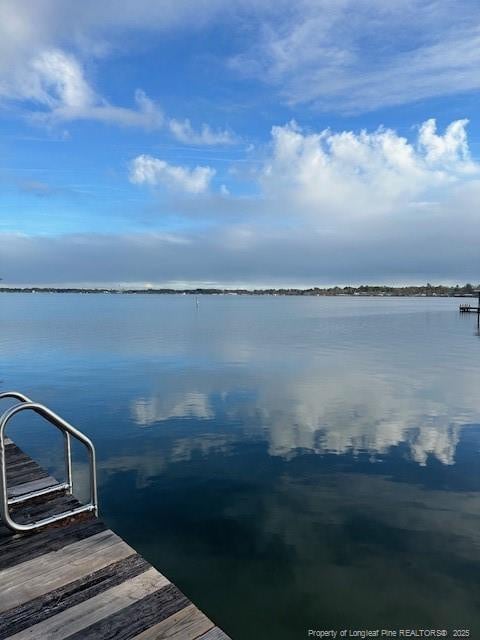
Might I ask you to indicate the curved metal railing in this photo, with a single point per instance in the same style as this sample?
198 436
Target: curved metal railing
16 395
68 484
69 432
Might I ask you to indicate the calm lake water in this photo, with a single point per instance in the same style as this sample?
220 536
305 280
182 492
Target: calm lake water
291 463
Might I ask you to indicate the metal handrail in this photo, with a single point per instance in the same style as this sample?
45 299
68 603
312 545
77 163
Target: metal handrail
67 452
69 431
15 394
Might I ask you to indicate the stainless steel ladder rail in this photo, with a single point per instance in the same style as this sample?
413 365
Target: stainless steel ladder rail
68 431
68 484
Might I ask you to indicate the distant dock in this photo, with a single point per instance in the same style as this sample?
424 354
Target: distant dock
467 308
70 576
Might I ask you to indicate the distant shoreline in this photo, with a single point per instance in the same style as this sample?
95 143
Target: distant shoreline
440 291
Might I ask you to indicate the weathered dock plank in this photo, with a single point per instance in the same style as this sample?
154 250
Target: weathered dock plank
187 624
66 597
56 569
94 610
33 485
214 634
79 580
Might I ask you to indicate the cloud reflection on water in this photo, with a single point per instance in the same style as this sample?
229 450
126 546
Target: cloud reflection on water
343 413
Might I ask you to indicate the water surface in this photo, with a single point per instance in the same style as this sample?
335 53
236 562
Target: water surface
291 463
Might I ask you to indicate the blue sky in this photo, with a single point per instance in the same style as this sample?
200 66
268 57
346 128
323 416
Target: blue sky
242 143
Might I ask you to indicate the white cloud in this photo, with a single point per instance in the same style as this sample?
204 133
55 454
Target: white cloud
346 55
364 174
449 150
27 28
60 81
56 81
184 132
330 208
146 169
44 45
52 78
146 115
352 56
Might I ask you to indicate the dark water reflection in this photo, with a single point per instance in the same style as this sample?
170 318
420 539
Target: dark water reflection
289 463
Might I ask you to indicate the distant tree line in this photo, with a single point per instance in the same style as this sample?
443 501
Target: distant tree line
362 290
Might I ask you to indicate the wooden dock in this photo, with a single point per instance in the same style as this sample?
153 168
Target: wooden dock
468 308
79 580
